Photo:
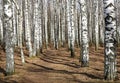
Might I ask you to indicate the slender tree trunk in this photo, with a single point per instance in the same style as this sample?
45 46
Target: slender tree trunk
20 26
84 35
63 23
72 38
110 40
90 28
46 22
96 25
14 23
76 24
28 36
1 31
68 22
56 27
101 23
40 24
52 22
9 36
36 30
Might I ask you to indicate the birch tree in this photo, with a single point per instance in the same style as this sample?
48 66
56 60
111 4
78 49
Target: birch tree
90 20
96 25
110 40
46 21
27 29
1 22
52 21
40 23
9 36
72 38
84 35
20 26
36 29
70 25
101 23
63 23
56 27
68 22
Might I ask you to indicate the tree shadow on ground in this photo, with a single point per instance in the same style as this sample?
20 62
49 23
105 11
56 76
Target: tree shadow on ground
2 71
57 60
52 70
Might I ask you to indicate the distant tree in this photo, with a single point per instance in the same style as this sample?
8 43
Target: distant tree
56 27
1 22
40 23
20 27
96 3
36 48
27 29
45 6
110 40
63 23
68 22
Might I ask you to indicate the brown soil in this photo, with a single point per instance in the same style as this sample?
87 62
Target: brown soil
56 66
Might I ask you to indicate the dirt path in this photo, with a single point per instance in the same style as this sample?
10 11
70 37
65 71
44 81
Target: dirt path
56 66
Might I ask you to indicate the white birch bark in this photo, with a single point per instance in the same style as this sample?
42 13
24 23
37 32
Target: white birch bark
70 25
84 35
96 25
117 20
52 22
79 22
9 36
59 21
40 23
90 28
27 28
68 22
110 40
76 24
63 23
20 26
46 21
1 22
36 30
1 31
14 23
101 23
72 38
56 27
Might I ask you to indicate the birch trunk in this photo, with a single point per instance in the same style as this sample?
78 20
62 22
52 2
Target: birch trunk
14 23
56 27
36 30
72 38
46 22
90 28
52 22
101 23
20 26
27 28
40 24
9 36
63 23
96 25
68 22
110 40
1 22
84 35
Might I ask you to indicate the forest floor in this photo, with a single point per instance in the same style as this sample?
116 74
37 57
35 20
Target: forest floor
56 66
